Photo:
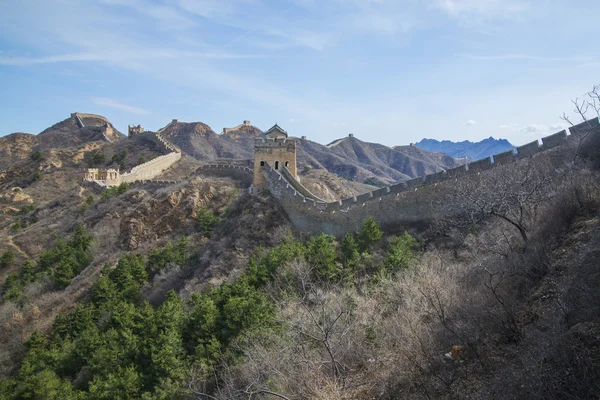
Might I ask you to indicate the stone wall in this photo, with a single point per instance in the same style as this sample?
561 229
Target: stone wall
237 172
401 205
163 144
297 185
152 168
142 172
105 128
94 116
235 128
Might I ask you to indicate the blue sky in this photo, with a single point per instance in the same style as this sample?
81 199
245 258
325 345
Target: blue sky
388 71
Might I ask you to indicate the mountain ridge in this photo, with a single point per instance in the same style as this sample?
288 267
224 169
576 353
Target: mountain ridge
472 150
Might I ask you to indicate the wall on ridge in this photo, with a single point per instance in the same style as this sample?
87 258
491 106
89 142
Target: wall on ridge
163 144
297 185
152 168
95 116
405 204
393 213
238 172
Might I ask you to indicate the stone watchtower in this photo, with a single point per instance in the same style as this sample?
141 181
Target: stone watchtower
134 130
277 150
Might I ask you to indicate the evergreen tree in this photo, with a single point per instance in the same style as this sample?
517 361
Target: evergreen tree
368 235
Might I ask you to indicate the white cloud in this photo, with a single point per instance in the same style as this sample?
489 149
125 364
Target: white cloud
486 9
470 122
541 128
112 103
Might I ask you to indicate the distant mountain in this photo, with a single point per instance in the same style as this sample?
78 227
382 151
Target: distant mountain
348 157
473 151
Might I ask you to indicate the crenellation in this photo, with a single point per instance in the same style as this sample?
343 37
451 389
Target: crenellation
435 178
381 192
506 157
415 183
480 165
581 130
457 171
528 149
554 140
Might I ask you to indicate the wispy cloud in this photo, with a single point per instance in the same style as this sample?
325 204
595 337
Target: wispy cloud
167 18
486 9
112 103
508 57
134 55
470 122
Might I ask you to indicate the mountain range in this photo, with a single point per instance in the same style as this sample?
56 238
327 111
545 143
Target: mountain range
470 150
349 158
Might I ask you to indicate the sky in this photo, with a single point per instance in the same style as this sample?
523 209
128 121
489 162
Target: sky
388 71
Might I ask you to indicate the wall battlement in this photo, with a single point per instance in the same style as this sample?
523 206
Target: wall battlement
347 214
271 142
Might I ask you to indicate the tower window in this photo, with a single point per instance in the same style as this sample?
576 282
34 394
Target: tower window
287 163
276 164
262 163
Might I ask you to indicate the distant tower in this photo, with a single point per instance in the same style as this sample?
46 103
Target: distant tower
275 149
133 130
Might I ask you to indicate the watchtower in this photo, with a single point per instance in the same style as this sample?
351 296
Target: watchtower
277 150
134 130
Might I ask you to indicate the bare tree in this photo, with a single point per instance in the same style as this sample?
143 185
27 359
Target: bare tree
511 194
586 107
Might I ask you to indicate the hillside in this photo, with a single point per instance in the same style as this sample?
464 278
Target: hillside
389 164
470 150
64 134
15 147
68 133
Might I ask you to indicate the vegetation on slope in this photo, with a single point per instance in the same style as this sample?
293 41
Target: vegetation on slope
115 345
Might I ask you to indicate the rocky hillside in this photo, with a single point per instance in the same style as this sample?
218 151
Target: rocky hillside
15 147
64 134
200 141
67 133
363 160
470 150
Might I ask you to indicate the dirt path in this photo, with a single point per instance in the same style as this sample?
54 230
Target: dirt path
11 243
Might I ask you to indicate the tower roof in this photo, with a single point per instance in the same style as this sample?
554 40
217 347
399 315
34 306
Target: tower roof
276 131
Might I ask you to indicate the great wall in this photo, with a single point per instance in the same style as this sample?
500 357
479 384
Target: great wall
393 207
90 121
140 173
399 206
